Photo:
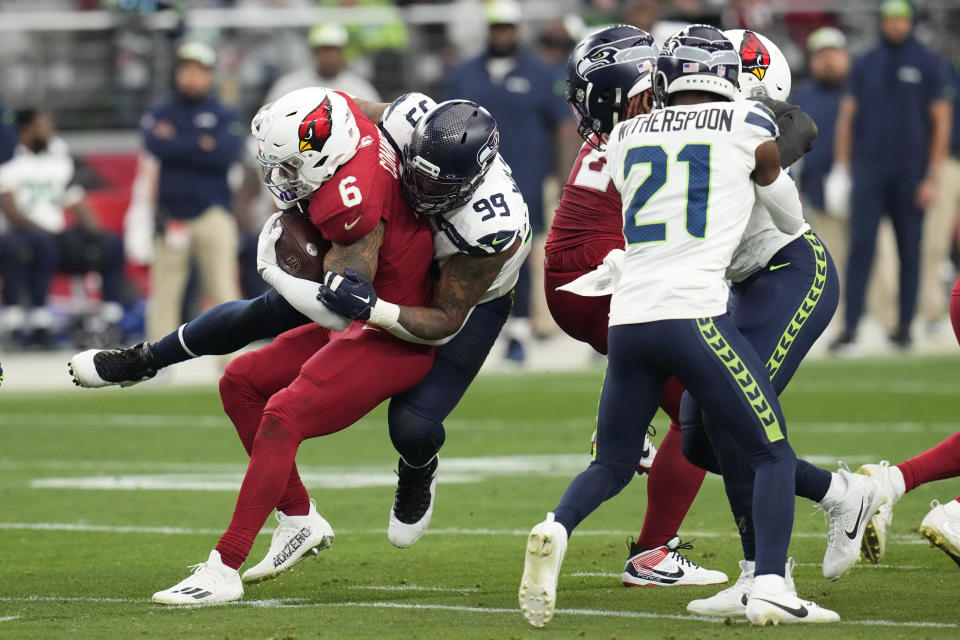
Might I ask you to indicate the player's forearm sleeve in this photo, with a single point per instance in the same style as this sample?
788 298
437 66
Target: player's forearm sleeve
302 296
782 200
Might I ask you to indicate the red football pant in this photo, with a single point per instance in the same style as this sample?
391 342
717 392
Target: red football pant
955 309
309 382
673 483
938 463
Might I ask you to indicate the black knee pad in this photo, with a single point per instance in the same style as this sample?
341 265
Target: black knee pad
416 438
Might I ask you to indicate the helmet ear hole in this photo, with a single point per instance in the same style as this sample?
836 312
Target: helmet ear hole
319 163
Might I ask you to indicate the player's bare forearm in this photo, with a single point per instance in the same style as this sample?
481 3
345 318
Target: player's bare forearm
361 255
84 216
16 217
463 281
373 110
767 157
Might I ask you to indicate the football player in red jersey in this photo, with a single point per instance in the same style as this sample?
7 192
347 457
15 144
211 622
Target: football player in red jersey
587 226
321 154
941 526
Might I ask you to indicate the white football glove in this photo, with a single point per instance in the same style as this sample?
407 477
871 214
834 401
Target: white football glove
266 244
836 191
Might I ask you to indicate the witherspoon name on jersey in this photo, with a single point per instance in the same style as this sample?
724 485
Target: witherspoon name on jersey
684 177
716 118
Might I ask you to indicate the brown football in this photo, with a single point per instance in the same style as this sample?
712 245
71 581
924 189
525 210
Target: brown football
301 248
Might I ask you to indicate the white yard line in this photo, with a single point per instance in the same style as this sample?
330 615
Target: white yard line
450 531
8 618
293 603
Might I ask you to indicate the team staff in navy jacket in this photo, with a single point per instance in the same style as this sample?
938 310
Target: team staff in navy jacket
196 139
519 90
893 132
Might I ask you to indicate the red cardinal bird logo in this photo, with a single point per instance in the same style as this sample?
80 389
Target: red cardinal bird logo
754 56
316 126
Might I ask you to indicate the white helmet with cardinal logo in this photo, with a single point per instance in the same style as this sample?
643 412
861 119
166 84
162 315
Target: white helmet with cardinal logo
302 139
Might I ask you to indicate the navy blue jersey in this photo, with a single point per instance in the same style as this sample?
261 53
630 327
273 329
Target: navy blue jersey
192 178
894 87
527 108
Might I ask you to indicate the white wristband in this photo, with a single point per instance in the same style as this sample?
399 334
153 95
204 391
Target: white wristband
384 314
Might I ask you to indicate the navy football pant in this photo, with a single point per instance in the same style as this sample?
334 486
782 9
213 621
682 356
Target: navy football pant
415 417
719 368
876 192
781 311
228 327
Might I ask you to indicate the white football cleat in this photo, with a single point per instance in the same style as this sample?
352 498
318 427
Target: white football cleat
942 528
874 545
413 503
546 546
293 539
849 507
665 566
732 601
96 368
773 602
211 582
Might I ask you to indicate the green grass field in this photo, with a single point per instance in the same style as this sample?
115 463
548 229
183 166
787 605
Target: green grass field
108 495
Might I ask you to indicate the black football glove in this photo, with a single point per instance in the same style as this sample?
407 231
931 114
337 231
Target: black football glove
797 130
351 295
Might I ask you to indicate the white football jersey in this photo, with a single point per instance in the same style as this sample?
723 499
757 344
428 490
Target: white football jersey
489 223
761 240
684 178
41 184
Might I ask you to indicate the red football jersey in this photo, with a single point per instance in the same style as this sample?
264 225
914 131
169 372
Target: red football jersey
361 193
590 209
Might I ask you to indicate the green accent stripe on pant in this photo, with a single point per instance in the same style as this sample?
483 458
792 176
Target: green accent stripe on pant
738 370
806 307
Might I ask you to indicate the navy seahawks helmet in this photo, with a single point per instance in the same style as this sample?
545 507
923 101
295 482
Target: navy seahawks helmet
697 58
452 147
605 70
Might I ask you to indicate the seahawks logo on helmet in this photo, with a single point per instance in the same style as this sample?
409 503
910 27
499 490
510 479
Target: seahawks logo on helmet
754 56
489 148
608 54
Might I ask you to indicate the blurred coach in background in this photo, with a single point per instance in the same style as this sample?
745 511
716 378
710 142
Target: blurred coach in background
196 138
892 135
518 89
820 98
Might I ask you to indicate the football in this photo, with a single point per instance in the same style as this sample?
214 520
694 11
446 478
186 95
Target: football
301 248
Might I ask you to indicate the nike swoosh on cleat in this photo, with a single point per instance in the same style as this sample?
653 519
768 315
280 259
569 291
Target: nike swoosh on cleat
352 224
673 574
743 599
774 267
856 525
800 612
